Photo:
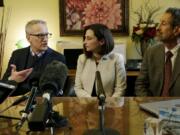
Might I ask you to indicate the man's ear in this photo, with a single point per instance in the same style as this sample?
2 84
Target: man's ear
177 30
101 42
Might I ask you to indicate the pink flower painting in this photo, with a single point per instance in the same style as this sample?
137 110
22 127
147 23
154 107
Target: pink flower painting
76 14
107 12
80 13
74 10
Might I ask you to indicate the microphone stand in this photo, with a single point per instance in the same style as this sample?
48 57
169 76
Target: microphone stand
28 106
50 120
53 120
9 117
102 130
101 108
16 102
101 97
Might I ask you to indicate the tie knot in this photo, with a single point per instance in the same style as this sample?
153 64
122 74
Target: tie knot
169 54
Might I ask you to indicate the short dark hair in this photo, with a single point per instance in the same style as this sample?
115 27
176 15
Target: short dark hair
101 32
175 12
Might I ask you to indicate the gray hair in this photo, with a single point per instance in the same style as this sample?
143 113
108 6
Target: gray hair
33 22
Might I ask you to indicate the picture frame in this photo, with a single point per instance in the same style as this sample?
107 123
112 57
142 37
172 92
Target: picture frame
74 15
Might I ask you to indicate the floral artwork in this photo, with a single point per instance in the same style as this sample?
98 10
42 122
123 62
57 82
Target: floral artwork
76 14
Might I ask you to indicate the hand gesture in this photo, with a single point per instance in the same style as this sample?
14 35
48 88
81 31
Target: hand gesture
19 76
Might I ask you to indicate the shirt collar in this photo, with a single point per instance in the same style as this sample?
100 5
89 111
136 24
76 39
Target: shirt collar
174 50
106 56
37 54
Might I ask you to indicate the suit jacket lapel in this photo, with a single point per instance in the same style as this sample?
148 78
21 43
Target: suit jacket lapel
176 70
161 60
26 54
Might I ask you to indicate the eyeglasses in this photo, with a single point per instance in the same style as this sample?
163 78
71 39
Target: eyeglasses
42 35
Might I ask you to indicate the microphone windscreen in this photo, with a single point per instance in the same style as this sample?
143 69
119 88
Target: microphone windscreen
53 78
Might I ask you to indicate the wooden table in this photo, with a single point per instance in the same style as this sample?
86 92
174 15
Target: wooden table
82 114
121 114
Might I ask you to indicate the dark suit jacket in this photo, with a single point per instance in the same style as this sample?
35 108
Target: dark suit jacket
21 58
150 80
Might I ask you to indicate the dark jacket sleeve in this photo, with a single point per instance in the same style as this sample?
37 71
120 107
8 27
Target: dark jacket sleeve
8 70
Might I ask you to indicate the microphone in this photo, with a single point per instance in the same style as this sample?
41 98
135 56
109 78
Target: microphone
101 96
19 100
16 102
6 90
101 93
34 82
51 83
53 78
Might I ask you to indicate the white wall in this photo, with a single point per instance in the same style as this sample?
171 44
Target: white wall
48 10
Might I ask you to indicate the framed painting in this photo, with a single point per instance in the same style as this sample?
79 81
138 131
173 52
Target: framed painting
76 14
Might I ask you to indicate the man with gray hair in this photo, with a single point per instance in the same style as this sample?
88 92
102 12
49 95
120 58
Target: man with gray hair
160 70
25 62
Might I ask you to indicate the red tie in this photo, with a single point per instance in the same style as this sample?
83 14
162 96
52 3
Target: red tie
167 74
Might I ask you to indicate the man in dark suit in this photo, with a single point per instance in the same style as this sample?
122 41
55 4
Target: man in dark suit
160 73
25 62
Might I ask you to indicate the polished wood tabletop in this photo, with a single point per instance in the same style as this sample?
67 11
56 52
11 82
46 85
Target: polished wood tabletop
82 114
121 114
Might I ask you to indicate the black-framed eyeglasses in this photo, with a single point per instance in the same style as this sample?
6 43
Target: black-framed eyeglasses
42 35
